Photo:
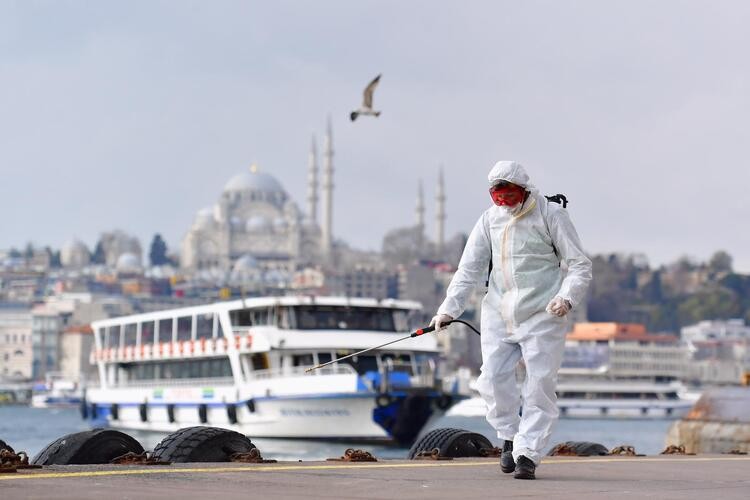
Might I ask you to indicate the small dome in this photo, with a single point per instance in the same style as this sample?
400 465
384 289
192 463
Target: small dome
245 263
258 223
280 223
205 218
128 263
254 181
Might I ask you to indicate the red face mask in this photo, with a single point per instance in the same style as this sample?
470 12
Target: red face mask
507 195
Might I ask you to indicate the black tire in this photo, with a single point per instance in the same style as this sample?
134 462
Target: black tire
97 446
451 443
6 446
201 444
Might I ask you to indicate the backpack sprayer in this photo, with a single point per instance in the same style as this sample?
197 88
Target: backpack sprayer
416 333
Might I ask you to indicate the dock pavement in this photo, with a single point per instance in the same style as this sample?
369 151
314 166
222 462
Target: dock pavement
663 477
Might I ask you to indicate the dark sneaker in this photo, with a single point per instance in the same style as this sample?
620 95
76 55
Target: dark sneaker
524 468
507 464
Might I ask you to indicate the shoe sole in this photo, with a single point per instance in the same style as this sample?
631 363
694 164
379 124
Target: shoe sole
525 476
507 470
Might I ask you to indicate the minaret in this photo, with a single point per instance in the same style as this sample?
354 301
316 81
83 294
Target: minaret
419 211
327 229
312 183
440 215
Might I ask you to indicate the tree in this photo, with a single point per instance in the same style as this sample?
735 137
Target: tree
720 262
54 257
98 256
158 251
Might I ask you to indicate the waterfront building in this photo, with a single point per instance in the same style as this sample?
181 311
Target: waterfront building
77 343
15 341
623 351
719 350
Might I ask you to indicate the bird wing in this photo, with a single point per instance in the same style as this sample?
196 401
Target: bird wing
367 102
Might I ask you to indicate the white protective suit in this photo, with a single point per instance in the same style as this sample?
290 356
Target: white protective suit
527 246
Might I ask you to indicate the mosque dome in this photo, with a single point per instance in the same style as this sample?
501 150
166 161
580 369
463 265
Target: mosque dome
235 221
257 223
254 181
205 218
128 263
245 263
280 223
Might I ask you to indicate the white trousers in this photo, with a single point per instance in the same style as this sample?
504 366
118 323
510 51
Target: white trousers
540 343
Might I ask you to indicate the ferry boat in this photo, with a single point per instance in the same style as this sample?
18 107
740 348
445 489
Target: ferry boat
607 399
243 365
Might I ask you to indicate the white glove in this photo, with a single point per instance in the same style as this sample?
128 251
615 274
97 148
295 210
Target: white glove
439 320
559 307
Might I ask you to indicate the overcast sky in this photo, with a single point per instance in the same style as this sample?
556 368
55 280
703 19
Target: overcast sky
133 115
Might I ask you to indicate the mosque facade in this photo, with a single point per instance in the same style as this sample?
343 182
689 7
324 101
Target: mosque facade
255 221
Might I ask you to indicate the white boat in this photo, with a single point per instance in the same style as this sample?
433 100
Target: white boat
56 392
243 365
607 399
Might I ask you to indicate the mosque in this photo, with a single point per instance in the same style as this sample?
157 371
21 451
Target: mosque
255 223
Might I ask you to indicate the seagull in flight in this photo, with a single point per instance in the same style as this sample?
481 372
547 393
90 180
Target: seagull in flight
366 108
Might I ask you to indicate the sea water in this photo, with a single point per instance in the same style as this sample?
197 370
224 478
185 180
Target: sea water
31 429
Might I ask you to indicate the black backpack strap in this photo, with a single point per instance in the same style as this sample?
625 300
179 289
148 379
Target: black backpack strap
558 198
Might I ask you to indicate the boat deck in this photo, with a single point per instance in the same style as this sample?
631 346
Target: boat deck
664 477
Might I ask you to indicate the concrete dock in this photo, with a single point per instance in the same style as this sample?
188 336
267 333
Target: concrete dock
663 477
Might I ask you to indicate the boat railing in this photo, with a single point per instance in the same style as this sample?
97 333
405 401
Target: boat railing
174 382
423 376
297 371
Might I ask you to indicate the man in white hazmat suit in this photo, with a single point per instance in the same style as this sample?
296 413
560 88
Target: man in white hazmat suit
526 238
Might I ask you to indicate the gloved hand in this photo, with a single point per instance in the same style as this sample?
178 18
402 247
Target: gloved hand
559 307
439 320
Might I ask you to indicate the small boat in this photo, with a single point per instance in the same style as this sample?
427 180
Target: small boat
244 365
56 392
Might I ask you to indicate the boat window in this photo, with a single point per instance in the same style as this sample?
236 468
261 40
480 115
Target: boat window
316 317
401 320
324 357
204 326
259 361
113 340
204 368
400 362
165 330
302 359
101 333
251 317
219 329
129 336
363 363
184 328
147 332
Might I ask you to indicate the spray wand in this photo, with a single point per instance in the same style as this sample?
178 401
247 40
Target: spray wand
417 333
